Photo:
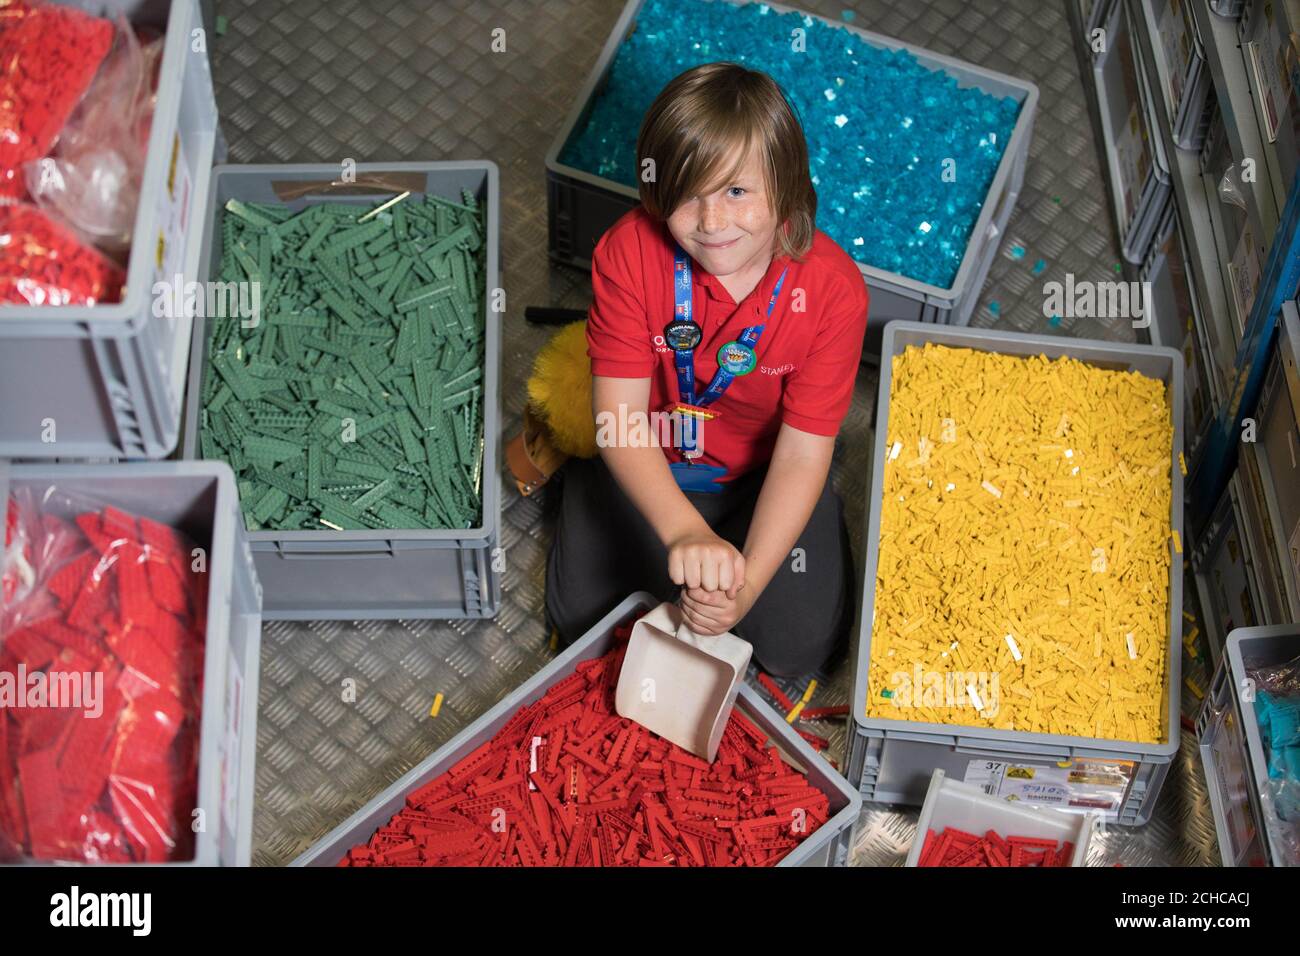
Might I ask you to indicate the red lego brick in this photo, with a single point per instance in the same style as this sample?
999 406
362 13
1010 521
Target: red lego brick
595 800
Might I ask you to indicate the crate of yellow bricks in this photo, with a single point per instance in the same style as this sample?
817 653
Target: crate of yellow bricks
1021 617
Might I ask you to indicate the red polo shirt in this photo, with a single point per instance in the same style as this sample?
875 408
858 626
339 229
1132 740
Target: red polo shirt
807 360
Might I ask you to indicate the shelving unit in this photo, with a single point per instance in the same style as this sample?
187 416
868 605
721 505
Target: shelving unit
1240 262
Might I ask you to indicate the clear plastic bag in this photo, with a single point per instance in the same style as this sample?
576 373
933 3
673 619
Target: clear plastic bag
92 177
49 55
1277 710
100 685
1280 801
43 262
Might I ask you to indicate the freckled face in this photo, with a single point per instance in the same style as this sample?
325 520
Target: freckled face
731 228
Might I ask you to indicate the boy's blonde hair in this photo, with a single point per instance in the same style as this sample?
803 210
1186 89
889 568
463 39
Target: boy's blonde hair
700 120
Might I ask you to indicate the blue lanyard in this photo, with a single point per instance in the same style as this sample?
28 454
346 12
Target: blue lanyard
684 360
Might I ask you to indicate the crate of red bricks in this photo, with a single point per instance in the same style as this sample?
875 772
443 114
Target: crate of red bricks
130 628
962 826
90 366
552 776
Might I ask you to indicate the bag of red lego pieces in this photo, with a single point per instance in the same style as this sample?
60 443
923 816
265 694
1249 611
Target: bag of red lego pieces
49 54
954 847
100 684
567 782
91 179
42 262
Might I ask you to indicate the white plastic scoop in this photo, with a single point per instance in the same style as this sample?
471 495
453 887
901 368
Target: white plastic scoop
679 684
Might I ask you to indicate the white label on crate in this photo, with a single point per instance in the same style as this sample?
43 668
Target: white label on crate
1264 88
1178 51
173 211
1293 548
1082 785
230 762
1132 164
1244 273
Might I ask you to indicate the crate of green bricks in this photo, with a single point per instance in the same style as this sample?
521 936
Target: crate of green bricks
354 391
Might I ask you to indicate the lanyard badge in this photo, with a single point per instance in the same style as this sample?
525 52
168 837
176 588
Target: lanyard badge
683 335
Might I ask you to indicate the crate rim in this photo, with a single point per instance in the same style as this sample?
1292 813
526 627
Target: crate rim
914 287
1007 740
484 534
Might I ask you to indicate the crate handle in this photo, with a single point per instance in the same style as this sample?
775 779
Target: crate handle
1034 751
365 550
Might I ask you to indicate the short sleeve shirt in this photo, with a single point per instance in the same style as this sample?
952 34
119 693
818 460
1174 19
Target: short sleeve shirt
807 356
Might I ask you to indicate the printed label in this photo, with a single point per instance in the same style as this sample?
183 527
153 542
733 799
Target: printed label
230 769
1081 785
1293 548
1244 272
1132 164
173 212
1178 51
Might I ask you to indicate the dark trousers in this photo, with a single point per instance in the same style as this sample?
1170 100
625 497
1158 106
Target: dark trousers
603 550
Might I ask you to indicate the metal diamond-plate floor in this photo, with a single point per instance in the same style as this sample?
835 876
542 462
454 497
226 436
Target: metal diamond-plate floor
325 80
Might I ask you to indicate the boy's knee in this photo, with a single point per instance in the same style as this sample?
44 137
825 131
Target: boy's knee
792 651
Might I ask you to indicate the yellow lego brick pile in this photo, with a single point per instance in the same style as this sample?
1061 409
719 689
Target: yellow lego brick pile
1023 580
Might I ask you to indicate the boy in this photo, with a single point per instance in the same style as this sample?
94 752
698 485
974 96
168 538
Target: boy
719 300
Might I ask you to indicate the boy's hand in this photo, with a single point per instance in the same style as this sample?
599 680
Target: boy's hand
711 612
702 560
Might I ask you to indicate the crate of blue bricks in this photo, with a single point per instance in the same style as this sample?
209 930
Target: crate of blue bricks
107 380
917 158
352 383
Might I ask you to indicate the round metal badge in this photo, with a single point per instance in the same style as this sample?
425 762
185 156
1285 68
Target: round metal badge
737 358
682 336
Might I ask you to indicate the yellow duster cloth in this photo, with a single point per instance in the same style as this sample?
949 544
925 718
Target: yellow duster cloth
559 391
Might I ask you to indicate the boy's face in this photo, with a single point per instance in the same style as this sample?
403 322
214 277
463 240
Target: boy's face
731 226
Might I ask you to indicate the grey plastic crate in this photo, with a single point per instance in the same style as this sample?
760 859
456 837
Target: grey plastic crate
111 377
1136 163
199 499
891 761
582 206
1183 75
826 847
950 803
1224 566
1276 465
1173 312
349 575
1240 252
1247 650
1234 801
1270 64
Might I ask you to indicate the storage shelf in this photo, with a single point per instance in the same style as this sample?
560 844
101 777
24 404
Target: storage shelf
1227 64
